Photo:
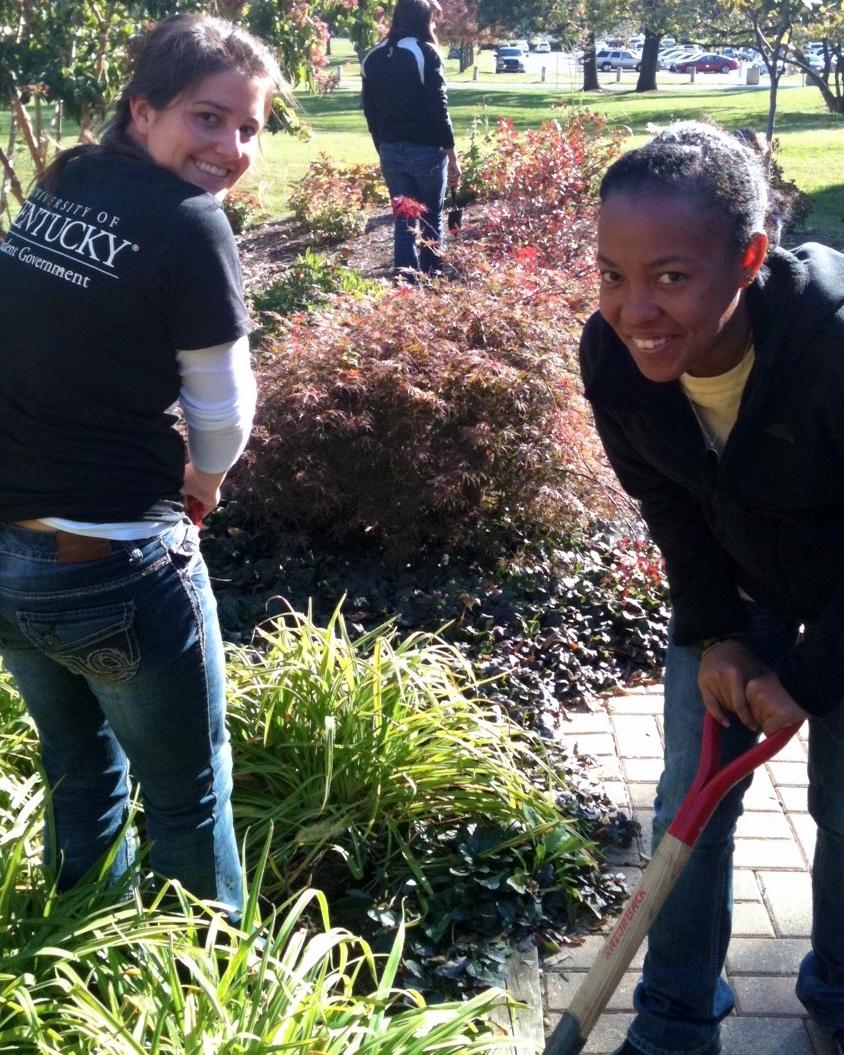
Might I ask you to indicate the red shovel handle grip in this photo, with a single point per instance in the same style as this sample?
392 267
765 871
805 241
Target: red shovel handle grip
711 785
193 508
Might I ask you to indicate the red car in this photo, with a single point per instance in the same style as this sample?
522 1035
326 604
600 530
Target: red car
708 64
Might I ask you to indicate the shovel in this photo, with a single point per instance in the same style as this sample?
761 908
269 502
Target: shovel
709 787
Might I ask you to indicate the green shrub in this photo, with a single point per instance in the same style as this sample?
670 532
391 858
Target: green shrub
331 200
310 282
242 209
447 408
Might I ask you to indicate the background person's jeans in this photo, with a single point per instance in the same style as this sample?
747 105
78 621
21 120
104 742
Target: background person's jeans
681 998
416 172
120 661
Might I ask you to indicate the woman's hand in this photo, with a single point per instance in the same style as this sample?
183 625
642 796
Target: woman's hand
454 170
771 705
726 669
204 487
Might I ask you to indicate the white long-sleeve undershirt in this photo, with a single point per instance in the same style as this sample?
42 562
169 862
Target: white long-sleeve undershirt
218 401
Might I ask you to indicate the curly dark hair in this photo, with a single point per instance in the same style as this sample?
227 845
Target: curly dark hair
695 159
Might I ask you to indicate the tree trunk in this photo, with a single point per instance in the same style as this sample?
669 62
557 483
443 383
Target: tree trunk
834 103
590 68
650 61
772 103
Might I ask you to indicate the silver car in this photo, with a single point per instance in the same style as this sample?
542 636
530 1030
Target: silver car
617 58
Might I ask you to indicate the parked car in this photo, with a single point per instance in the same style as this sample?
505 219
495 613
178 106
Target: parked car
617 58
523 44
707 63
454 52
510 60
543 47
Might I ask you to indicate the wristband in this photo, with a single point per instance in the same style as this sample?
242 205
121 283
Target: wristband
711 642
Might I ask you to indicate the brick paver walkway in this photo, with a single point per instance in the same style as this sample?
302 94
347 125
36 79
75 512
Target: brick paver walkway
772 920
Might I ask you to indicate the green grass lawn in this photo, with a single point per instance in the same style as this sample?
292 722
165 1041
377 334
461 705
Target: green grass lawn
812 140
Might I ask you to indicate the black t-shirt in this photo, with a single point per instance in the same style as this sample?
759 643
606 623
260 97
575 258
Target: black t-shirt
100 283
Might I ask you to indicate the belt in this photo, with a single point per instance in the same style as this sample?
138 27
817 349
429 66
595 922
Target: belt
70 548
74 549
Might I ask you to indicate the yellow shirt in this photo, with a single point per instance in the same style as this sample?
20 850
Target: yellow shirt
716 399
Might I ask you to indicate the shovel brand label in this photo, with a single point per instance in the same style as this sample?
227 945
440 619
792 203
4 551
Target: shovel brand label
630 912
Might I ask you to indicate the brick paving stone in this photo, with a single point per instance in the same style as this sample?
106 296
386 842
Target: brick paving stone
637 736
650 703
608 768
595 744
767 995
764 825
617 793
586 722
766 955
768 853
766 1036
745 886
793 751
609 1032
794 799
789 899
788 774
751 919
645 819
761 795
642 795
807 833
559 990
642 770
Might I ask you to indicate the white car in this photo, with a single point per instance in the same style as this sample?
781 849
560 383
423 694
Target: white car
543 47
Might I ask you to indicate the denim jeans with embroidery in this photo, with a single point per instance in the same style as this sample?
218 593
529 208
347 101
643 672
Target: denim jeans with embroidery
682 997
121 664
418 172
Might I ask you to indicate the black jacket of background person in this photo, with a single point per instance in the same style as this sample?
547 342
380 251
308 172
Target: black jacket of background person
769 514
405 99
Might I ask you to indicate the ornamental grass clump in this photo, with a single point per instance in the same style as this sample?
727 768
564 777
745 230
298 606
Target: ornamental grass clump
133 971
356 752
427 416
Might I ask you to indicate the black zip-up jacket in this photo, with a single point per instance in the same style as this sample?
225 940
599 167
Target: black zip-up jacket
768 515
405 99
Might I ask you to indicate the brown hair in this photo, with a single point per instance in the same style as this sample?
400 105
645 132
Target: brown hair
179 52
414 18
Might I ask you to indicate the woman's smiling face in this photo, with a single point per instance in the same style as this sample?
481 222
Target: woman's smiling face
671 284
208 135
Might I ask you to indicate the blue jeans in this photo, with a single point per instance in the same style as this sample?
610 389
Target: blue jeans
120 662
416 172
681 998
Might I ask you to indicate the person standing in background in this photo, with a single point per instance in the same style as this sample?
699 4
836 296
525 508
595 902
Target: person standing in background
405 101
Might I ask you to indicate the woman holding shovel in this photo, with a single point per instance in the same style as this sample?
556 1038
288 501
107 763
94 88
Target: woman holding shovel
121 298
715 369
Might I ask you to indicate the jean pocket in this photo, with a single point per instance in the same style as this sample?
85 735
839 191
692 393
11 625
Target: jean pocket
98 643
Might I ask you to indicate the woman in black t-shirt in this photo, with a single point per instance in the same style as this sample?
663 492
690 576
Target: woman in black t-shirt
122 297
